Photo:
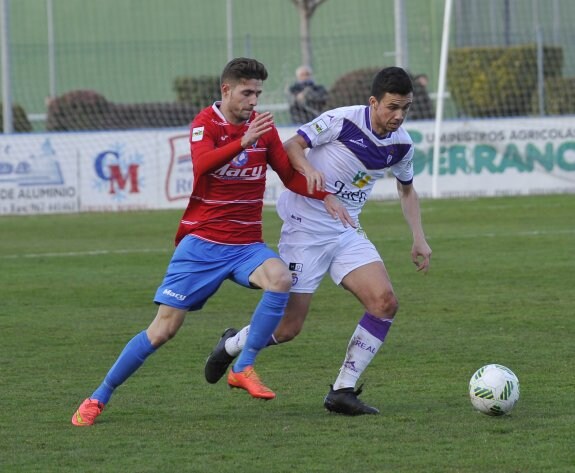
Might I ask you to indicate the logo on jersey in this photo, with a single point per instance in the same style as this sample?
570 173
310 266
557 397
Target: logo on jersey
354 196
231 172
318 126
197 133
240 160
361 179
359 143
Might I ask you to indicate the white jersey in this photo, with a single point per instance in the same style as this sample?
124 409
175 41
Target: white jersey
352 157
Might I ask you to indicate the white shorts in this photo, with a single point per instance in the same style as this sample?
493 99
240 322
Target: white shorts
310 256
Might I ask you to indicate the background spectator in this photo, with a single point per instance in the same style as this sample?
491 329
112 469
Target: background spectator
422 80
422 108
306 98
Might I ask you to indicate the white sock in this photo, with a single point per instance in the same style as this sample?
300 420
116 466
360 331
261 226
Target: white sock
361 349
235 344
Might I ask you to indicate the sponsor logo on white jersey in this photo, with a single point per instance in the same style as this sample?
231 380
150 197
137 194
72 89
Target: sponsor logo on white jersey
359 143
318 126
197 133
354 196
361 179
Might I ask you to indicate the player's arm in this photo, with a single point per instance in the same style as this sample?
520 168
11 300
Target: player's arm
420 250
295 181
206 157
295 148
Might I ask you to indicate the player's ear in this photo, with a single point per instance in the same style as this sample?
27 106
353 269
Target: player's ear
372 102
225 88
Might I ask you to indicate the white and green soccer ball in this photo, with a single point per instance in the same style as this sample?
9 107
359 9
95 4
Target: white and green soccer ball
494 390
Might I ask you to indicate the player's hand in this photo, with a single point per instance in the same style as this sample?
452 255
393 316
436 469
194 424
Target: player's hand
337 210
261 124
421 255
315 180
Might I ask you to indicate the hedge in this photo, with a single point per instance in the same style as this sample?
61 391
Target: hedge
20 121
89 110
498 81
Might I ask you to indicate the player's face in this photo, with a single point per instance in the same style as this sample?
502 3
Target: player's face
239 99
388 114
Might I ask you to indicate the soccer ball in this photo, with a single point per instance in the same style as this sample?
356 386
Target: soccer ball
494 390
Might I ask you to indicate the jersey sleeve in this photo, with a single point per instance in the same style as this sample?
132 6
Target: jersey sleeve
403 170
206 157
322 130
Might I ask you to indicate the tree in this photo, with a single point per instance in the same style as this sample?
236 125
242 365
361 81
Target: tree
306 9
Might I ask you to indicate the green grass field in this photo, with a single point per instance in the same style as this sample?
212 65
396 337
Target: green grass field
76 288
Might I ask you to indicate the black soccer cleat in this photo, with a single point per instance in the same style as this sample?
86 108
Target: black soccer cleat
219 360
345 401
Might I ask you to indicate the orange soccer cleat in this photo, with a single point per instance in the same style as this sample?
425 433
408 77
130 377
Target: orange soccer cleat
87 412
250 381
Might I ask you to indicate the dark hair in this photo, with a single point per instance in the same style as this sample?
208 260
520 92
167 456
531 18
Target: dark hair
391 80
243 68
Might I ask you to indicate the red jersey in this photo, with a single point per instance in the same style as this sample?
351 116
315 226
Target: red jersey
229 182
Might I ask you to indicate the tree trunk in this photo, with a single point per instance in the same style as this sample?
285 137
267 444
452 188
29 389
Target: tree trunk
305 38
306 9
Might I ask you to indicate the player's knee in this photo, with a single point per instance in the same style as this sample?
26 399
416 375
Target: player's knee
279 281
159 337
287 333
165 326
386 306
390 306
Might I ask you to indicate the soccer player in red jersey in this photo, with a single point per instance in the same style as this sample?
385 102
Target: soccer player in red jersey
220 233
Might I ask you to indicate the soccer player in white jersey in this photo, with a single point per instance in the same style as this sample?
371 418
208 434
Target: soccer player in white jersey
349 149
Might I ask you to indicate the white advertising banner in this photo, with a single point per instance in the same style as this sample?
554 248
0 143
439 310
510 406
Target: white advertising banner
497 157
38 174
117 171
151 169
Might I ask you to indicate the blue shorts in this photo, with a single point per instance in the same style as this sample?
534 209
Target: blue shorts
198 268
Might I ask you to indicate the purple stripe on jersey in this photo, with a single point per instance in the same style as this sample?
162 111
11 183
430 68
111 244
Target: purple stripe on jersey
305 137
376 326
368 119
370 154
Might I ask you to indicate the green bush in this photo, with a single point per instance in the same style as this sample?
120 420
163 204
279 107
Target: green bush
20 121
354 88
89 110
78 110
559 97
200 91
498 81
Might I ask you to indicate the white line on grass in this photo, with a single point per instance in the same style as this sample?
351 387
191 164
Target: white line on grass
85 253
530 233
